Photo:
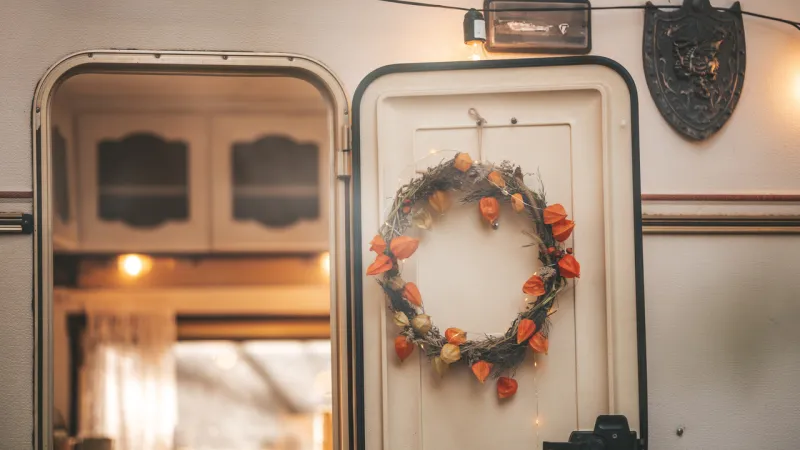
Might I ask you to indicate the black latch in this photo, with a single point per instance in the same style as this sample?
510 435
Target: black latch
17 223
610 433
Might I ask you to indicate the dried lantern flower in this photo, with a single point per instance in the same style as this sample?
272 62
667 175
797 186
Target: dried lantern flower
562 230
411 293
490 210
462 162
440 366
534 286
497 179
439 201
539 343
506 387
525 330
422 323
482 369
403 347
382 264
401 319
554 214
377 244
569 267
406 209
455 336
517 202
422 219
450 353
402 247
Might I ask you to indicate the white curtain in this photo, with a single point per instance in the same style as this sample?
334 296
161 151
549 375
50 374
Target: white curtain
128 389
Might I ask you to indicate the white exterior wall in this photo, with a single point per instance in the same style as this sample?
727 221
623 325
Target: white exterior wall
719 365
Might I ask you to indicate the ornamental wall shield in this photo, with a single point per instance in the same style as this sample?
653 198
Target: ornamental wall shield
694 61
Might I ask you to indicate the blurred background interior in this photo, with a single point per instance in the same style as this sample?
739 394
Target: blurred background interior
192 297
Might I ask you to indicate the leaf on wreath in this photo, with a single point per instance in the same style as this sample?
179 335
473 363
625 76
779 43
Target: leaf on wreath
506 387
403 347
412 294
382 264
534 286
440 201
562 230
455 336
482 369
462 162
554 213
402 247
525 330
490 209
497 179
539 343
569 267
450 353
517 203
377 244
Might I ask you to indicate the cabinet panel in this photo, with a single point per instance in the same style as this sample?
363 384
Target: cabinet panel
144 183
270 182
65 185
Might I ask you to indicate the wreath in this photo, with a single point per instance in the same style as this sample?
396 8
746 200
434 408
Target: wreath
489 186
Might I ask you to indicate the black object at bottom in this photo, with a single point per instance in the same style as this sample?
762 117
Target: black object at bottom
610 433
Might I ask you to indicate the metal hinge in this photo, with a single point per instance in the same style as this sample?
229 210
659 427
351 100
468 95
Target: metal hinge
344 157
16 223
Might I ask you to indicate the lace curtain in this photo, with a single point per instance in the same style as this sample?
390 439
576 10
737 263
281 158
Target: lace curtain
128 388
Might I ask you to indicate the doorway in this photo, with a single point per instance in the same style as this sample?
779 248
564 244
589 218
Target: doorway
191 265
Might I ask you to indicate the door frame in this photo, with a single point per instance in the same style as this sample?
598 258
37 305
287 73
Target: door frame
189 62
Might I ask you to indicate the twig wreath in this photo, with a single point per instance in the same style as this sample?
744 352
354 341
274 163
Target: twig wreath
489 186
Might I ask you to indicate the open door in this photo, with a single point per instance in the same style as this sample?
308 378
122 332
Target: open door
575 121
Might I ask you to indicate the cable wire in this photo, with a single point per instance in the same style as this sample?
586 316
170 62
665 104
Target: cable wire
589 8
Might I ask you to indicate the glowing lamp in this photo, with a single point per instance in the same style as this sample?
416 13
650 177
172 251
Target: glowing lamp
475 34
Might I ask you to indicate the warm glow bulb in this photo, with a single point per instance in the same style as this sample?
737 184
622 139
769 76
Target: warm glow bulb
132 265
476 50
325 263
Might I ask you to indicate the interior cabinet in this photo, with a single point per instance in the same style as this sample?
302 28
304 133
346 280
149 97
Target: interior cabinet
144 182
270 178
64 186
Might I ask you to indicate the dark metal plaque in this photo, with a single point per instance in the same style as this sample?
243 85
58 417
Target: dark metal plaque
694 61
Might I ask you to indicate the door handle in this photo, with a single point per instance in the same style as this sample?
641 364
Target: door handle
16 223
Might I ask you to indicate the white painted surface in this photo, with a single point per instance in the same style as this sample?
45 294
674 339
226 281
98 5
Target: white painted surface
758 152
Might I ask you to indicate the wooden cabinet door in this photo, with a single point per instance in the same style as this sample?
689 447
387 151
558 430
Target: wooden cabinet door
144 183
271 178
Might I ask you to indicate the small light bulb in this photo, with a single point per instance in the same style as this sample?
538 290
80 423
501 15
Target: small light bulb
134 265
325 263
537 421
476 51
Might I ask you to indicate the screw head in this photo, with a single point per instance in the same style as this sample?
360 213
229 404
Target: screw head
679 431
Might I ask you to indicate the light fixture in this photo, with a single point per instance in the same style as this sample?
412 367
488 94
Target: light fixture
475 34
134 265
325 263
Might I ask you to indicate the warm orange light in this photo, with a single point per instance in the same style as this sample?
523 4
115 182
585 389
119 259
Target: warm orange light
476 50
134 265
325 263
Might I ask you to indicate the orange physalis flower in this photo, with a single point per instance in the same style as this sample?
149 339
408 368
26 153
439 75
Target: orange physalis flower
455 336
554 214
490 209
562 230
403 348
496 179
377 244
382 264
569 267
506 387
462 162
439 201
525 330
411 293
534 286
403 247
539 343
517 203
482 369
